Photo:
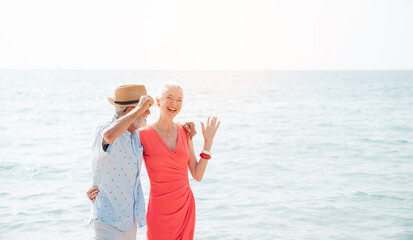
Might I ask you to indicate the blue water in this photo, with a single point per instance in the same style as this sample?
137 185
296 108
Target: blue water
299 155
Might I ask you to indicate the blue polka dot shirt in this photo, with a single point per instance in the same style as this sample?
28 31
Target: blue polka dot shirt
116 172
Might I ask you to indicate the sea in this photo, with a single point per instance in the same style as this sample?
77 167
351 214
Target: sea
298 154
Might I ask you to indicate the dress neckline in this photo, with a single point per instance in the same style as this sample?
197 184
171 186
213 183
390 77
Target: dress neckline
165 145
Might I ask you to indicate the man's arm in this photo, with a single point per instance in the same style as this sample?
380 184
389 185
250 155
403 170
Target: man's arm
119 126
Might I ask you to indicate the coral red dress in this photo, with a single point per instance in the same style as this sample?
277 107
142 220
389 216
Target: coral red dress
171 207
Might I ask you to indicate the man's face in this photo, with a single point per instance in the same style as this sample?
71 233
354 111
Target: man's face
141 121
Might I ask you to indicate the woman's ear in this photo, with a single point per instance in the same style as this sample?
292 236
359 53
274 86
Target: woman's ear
157 102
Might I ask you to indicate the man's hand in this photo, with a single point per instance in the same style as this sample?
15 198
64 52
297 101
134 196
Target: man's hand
92 193
122 123
145 102
190 129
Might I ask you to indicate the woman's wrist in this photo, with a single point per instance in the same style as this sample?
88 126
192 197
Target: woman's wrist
207 145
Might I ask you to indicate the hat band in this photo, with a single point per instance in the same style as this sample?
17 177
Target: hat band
126 103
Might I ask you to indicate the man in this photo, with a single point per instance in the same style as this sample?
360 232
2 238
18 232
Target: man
117 159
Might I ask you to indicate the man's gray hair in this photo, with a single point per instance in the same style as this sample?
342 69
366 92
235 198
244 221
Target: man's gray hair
120 111
166 86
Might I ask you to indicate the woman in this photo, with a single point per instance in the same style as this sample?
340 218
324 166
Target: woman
168 153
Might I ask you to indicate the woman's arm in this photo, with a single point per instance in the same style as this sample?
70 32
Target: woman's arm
92 193
197 168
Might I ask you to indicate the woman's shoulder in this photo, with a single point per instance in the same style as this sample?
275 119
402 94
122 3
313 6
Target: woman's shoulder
145 130
147 136
179 128
182 131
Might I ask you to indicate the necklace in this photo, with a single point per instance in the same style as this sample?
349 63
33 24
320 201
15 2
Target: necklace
167 132
167 135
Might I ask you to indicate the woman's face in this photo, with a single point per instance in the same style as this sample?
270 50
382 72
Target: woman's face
171 102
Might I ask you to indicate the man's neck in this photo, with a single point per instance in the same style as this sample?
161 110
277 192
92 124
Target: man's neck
132 129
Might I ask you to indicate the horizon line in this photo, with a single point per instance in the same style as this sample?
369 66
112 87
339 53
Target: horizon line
211 70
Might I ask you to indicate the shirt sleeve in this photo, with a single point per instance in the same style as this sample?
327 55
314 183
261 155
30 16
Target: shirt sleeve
98 149
98 154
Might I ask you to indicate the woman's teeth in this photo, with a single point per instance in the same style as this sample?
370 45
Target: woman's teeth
172 109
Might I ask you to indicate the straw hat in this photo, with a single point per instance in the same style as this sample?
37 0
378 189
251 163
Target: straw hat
127 95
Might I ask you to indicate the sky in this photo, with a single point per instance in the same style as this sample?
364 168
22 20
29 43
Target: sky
207 35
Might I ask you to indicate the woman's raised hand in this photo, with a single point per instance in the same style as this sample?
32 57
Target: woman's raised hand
210 129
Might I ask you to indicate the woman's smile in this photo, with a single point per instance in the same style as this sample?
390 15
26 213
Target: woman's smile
172 109
171 102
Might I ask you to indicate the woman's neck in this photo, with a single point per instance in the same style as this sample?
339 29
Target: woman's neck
164 123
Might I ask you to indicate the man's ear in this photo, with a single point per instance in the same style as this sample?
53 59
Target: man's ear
128 109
